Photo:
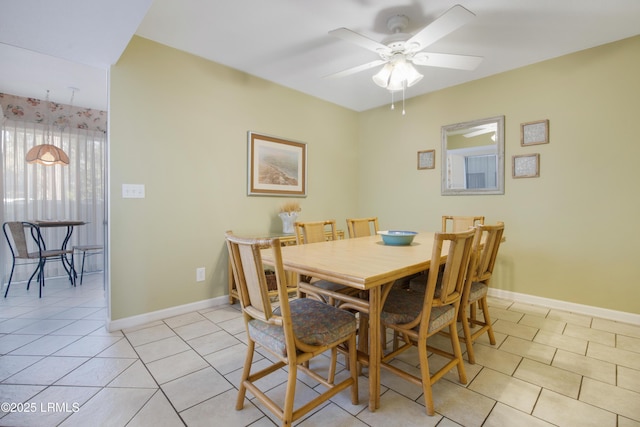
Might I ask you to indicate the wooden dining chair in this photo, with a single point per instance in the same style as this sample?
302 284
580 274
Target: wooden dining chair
485 251
360 227
294 333
416 316
314 232
453 224
17 234
450 224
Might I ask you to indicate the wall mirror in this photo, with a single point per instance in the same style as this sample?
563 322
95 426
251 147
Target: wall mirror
473 157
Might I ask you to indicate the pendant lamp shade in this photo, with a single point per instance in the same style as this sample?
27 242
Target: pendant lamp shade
48 155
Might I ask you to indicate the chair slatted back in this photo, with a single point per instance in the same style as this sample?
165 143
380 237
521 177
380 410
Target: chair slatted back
456 266
360 227
491 239
249 275
314 231
18 232
455 224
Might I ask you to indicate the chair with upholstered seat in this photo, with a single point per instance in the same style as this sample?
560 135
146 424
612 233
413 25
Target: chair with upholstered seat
453 224
450 224
475 291
17 235
314 232
360 227
294 333
416 316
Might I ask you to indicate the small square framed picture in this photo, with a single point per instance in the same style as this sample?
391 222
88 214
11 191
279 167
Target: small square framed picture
526 166
427 159
534 133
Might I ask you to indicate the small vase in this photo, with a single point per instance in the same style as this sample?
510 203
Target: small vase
288 218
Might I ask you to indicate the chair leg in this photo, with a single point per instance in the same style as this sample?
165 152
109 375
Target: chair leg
289 397
331 376
472 313
426 378
41 281
467 336
353 362
84 254
13 265
37 270
455 342
242 391
487 319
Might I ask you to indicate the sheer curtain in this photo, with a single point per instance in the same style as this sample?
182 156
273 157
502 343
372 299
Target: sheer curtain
33 191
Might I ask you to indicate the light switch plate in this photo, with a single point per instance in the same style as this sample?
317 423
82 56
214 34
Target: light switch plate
133 191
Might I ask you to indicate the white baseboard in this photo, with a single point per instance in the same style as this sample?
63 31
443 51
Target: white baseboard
604 313
143 319
618 316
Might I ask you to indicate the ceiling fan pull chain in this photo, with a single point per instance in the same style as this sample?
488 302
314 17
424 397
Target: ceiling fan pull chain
393 107
403 86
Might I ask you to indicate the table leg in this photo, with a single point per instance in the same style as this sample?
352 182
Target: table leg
374 348
68 265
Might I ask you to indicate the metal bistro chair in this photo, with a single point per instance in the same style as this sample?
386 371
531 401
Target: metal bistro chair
294 333
87 250
16 233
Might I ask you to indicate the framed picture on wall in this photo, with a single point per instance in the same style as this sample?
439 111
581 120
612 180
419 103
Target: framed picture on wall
526 166
534 133
427 159
276 166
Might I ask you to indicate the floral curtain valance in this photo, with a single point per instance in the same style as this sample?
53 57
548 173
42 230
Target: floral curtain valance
60 115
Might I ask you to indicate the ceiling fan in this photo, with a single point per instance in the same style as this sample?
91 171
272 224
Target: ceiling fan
400 50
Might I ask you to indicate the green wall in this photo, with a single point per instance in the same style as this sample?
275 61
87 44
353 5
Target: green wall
572 234
178 124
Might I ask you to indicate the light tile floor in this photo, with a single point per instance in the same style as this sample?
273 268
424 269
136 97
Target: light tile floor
60 367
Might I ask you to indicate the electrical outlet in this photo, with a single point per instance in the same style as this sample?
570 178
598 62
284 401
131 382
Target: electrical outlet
200 274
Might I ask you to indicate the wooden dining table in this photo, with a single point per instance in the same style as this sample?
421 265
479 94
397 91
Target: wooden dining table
364 263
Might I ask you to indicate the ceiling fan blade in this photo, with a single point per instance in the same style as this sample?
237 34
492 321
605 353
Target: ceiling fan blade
448 22
357 69
359 39
447 60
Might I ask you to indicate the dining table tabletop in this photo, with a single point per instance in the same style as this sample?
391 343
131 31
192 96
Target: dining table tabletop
364 263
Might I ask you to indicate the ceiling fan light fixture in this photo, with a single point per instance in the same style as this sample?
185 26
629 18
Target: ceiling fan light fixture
411 75
381 78
397 75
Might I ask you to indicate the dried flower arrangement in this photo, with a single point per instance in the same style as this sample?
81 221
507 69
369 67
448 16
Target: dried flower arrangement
290 207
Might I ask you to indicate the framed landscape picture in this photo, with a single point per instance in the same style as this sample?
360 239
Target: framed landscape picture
276 166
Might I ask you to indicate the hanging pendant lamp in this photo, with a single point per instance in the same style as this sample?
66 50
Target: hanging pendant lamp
47 154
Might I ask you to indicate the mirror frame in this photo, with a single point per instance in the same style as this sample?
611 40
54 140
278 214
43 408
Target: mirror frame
499 120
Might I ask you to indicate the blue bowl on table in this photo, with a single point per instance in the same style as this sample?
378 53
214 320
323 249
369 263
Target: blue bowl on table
397 237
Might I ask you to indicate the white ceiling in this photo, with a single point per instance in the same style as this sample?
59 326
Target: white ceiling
54 44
